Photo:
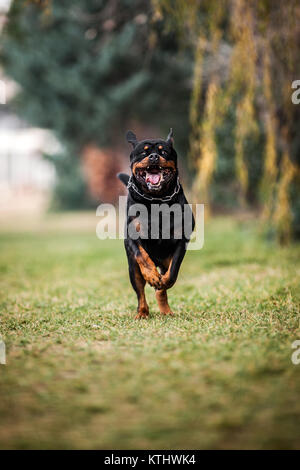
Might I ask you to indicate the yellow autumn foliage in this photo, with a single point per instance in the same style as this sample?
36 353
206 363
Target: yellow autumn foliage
262 38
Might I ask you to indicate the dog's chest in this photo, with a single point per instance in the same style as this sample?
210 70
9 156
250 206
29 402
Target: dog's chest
159 249
160 228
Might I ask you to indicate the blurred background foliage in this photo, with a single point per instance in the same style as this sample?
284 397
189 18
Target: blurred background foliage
89 68
245 60
218 72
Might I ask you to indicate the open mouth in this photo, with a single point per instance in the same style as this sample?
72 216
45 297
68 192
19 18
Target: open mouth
154 175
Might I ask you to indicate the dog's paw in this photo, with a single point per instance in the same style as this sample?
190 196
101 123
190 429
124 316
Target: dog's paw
155 280
142 313
168 312
152 276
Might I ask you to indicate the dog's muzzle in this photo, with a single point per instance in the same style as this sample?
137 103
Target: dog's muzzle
153 158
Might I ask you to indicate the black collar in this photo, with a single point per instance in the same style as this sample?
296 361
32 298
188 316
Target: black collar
150 198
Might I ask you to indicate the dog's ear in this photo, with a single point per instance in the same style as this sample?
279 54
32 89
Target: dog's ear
131 138
170 139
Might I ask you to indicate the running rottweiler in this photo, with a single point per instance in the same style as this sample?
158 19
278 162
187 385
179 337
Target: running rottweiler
159 240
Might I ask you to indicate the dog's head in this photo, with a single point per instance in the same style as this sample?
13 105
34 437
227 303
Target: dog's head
153 164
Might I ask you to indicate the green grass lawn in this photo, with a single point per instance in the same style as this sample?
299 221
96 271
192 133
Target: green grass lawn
83 373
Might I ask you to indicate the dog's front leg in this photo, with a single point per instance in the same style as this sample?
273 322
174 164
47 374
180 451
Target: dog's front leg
146 265
170 276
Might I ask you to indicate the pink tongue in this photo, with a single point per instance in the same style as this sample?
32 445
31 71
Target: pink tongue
153 178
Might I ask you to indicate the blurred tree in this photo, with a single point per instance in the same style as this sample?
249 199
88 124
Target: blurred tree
89 67
245 60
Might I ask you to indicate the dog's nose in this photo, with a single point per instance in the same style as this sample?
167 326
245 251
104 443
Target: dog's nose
153 158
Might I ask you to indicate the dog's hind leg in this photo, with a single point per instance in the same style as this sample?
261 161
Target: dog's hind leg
161 294
162 301
138 283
